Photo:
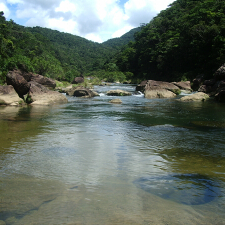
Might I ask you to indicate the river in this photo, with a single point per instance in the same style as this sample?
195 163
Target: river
145 161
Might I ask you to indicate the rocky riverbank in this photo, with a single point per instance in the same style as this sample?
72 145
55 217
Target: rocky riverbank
213 88
28 88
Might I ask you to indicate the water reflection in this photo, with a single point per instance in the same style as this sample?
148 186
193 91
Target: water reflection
88 153
188 189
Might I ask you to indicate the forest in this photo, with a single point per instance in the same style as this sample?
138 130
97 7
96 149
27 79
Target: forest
181 42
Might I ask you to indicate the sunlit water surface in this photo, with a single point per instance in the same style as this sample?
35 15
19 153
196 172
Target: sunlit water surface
89 161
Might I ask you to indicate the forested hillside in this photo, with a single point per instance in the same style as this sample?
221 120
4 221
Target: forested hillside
54 54
181 42
123 40
185 40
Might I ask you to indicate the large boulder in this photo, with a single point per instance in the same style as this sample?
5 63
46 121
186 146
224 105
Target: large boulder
199 96
220 95
159 93
40 95
78 80
183 85
19 83
141 86
45 81
81 92
197 82
14 77
8 96
118 93
220 73
160 89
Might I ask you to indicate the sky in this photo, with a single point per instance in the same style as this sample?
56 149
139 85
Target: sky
95 20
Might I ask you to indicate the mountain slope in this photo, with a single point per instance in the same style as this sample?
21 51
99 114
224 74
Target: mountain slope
123 40
185 40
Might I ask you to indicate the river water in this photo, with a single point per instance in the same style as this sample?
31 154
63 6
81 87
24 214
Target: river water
145 161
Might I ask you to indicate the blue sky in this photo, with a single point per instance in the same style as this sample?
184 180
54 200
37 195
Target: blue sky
96 20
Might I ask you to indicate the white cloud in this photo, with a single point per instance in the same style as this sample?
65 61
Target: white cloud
142 11
4 8
66 6
94 37
121 31
96 20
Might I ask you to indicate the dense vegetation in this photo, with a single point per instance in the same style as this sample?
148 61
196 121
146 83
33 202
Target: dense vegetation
54 54
123 40
181 42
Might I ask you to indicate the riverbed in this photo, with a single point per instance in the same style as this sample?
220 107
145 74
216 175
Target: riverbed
145 161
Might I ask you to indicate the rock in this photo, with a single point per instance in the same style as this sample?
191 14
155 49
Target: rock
154 85
8 96
159 93
63 89
2 222
160 89
220 95
183 85
197 82
40 95
78 80
209 82
141 86
220 73
199 96
116 101
205 89
118 93
81 92
45 81
211 124
20 85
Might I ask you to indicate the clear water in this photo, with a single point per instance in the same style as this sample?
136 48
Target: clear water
143 161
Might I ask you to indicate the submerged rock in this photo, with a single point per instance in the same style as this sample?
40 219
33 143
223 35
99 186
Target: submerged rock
210 124
188 189
116 101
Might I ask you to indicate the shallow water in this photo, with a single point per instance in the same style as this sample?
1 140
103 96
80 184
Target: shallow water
91 162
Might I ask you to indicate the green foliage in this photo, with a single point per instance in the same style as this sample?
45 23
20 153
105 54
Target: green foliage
187 38
57 55
176 91
108 76
123 40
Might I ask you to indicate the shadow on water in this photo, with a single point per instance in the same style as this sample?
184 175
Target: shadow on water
59 151
188 189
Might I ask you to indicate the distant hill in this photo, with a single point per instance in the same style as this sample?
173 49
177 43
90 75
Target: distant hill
55 54
74 50
123 40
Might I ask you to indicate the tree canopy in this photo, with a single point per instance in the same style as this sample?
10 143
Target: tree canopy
185 40
181 42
